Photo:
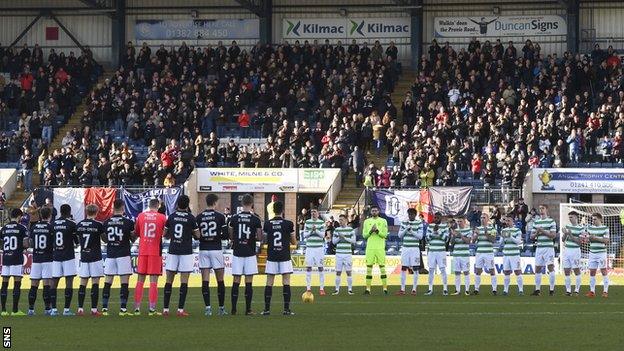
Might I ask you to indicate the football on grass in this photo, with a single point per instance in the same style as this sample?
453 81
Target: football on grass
307 297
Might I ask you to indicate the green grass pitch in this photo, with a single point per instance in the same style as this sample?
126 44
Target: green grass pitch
343 322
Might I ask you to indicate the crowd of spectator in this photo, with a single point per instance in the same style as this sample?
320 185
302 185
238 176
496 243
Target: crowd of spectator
305 105
494 111
36 97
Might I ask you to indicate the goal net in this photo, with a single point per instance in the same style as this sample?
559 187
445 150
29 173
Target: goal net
611 218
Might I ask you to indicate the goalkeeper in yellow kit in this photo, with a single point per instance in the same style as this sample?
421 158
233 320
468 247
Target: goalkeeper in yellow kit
375 232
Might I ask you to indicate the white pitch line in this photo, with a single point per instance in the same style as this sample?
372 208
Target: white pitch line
475 313
497 303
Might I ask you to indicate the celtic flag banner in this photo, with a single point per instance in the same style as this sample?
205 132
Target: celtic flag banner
393 204
450 201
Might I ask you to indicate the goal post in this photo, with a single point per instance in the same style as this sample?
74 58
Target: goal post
611 218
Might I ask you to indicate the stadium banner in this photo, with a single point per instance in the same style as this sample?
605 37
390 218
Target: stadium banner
499 26
197 29
316 180
79 198
393 204
137 203
578 180
346 28
450 201
262 180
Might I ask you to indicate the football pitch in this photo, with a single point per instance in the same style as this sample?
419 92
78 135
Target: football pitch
343 322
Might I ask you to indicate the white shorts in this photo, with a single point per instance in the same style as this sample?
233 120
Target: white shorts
179 263
244 265
278 267
436 259
64 268
41 270
571 258
544 256
12 270
484 261
211 259
410 257
118 266
344 262
596 261
314 257
91 269
461 264
511 263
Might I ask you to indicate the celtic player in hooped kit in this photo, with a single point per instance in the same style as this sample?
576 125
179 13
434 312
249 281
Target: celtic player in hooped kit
598 237
280 234
544 232
343 237
437 235
461 235
571 260
314 234
180 228
411 232
511 241
15 240
484 237
119 235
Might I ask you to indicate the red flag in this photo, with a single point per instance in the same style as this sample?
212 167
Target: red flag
104 198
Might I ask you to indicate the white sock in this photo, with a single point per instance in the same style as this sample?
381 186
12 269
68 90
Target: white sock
467 282
431 273
337 282
403 278
506 280
538 281
494 282
568 283
444 279
577 287
415 281
309 280
457 282
605 283
322 279
520 283
349 283
551 280
592 283
477 282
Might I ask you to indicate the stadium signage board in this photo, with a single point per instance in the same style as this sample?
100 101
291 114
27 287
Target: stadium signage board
197 29
498 26
346 28
317 180
275 180
578 180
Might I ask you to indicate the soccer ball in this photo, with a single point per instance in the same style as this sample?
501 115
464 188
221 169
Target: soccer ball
307 297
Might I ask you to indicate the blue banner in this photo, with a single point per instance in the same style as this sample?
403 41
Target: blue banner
197 29
137 203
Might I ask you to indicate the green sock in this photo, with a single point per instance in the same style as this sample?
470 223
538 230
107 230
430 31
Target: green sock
384 278
369 277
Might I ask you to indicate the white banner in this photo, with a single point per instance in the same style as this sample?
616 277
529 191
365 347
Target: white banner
241 180
316 180
346 28
501 26
578 180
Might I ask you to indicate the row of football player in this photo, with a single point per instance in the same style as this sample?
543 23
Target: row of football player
53 255
458 236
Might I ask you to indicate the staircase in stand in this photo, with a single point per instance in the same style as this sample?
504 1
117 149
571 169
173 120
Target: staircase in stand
350 193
